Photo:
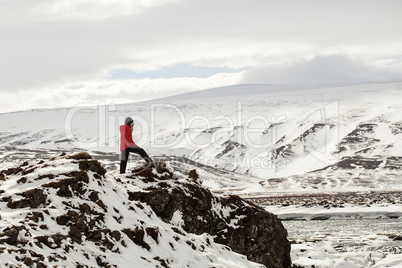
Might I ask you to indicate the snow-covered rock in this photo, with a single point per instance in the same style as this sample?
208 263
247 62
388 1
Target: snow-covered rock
69 212
244 227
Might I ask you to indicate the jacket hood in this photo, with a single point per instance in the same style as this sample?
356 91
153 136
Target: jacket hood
128 121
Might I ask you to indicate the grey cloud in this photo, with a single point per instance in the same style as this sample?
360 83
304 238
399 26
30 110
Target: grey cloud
321 70
191 32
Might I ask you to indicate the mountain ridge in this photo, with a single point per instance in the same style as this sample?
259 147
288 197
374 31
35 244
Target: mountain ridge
285 133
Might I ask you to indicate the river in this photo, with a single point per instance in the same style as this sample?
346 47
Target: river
357 243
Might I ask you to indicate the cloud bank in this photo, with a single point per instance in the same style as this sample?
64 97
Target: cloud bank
322 70
47 45
110 91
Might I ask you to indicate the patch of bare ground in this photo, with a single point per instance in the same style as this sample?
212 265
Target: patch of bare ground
331 199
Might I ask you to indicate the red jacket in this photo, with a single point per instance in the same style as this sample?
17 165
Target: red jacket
126 139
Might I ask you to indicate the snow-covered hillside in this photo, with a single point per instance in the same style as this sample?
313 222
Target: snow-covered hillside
263 131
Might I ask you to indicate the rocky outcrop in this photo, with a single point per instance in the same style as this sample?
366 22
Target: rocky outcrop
243 226
68 211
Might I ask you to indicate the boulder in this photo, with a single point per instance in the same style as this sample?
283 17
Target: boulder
244 227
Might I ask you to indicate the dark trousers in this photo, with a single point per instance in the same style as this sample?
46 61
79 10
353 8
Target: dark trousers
126 152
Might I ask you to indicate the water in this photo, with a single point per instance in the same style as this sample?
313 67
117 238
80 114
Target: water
363 242
307 229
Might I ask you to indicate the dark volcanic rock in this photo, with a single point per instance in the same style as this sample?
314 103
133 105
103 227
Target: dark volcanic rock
33 198
243 226
359 138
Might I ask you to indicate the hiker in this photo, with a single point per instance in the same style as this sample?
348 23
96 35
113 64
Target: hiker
127 145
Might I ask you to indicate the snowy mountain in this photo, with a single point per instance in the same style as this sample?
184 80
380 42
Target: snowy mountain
69 212
301 152
261 131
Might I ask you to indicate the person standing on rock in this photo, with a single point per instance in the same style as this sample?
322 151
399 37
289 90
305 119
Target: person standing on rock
127 145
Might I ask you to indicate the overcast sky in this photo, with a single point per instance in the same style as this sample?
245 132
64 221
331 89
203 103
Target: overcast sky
65 52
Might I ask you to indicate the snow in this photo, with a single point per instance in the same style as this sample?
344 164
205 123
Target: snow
344 243
348 212
391 261
179 249
177 218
